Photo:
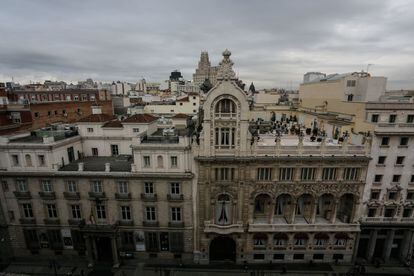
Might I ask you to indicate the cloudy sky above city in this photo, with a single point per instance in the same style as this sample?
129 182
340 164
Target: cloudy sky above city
273 43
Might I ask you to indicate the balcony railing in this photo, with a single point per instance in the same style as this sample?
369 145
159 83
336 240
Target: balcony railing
94 195
52 221
71 195
150 223
22 195
47 195
178 224
119 196
75 222
148 197
27 221
125 222
175 197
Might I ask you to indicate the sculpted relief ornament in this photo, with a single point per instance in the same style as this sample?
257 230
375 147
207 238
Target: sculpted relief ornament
225 71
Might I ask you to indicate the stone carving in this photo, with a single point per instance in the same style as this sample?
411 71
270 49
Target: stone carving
225 71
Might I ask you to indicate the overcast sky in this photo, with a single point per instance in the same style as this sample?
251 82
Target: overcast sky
273 43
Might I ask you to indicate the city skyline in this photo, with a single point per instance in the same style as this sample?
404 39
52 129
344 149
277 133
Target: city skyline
276 43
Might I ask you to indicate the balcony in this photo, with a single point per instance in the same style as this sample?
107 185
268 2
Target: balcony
125 222
303 227
175 197
119 196
30 221
178 224
94 195
47 195
71 195
52 221
150 223
74 222
148 197
22 195
210 227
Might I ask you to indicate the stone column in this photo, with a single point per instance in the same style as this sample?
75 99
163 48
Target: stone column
388 244
371 244
406 245
313 216
272 211
88 243
334 211
293 212
354 210
114 252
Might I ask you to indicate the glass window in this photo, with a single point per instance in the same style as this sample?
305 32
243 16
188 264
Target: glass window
47 186
147 161
27 210
97 186
150 213
385 141
374 118
225 106
76 211
403 141
41 160
100 211
351 173
410 118
174 161
114 150
90 129
175 214
135 130
378 178
329 174
149 188
381 159
308 173
392 118
224 174
15 160
372 212
95 152
126 212
264 173
400 160
22 185
28 159
396 178
51 210
123 187
286 174
72 188
375 194
175 188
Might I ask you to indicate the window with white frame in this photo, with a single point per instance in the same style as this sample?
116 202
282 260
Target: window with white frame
126 212
41 160
22 185
175 188
150 214
90 129
135 130
46 186
225 137
71 185
114 150
264 173
175 214
351 173
51 210
224 174
308 174
149 188
174 161
147 161
76 211
95 152
329 173
97 186
27 210
286 174
100 211
122 187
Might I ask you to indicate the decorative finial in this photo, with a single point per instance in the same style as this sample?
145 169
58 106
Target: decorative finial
225 71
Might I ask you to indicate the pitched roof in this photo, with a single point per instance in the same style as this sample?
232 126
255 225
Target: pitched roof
180 116
140 118
114 123
97 118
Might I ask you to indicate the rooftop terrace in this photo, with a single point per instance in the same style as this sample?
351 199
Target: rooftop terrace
120 163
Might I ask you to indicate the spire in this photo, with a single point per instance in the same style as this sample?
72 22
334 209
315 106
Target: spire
225 71
252 89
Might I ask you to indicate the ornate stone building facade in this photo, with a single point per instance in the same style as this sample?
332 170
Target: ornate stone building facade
268 197
205 71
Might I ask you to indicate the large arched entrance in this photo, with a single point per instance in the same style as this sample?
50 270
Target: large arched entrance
223 249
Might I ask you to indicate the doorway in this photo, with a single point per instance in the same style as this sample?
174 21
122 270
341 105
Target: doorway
104 248
223 249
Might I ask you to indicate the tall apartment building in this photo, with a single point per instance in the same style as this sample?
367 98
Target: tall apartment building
205 71
387 222
266 198
106 190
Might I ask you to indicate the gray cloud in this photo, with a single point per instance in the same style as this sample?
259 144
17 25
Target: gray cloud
273 42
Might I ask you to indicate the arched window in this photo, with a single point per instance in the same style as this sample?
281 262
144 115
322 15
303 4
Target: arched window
160 162
280 239
225 106
28 159
260 240
223 210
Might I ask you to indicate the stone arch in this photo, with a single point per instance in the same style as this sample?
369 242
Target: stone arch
225 106
304 208
222 248
325 207
346 207
284 206
262 207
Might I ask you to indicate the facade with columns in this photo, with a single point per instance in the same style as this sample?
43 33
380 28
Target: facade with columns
271 198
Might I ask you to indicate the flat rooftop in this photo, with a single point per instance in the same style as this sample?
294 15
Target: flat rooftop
36 137
120 163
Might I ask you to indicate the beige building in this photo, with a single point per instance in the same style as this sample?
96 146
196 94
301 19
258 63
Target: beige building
205 71
82 193
264 197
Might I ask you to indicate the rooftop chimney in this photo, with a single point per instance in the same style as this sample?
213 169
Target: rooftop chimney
96 109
